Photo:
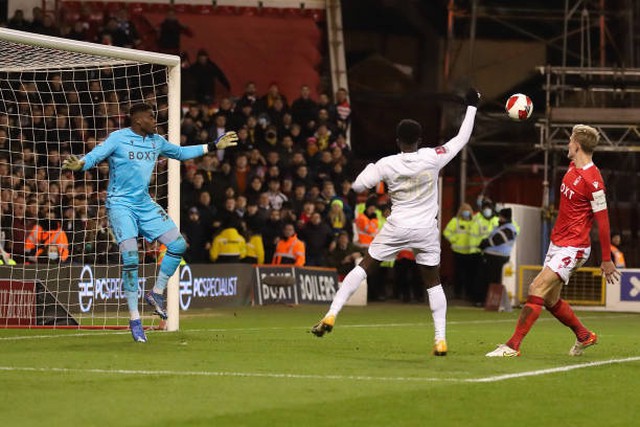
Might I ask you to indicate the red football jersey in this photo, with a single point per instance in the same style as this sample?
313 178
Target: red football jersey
581 195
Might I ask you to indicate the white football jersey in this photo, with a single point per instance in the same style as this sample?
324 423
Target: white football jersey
412 178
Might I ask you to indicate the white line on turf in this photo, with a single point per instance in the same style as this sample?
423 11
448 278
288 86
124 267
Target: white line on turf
278 328
495 378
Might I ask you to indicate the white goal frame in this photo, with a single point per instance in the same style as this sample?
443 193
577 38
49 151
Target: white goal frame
119 53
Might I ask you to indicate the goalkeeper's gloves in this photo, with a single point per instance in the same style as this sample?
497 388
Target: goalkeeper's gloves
472 97
229 139
73 163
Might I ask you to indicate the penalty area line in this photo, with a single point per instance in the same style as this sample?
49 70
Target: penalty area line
272 375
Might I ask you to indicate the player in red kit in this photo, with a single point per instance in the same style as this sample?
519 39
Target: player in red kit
582 198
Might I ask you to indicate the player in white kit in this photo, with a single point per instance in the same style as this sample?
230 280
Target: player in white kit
412 179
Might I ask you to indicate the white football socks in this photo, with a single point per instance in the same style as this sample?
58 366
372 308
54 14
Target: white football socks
349 285
438 304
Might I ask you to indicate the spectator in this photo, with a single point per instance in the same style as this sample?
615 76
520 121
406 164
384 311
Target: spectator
37 21
367 224
228 247
47 242
128 28
205 73
249 97
276 197
18 22
253 221
255 248
466 256
113 35
298 198
343 109
303 109
79 31
198 243
496 250
616 254
337 218
487 220
289 249
267 101
271 233
48 27
170 31
317 237
343 254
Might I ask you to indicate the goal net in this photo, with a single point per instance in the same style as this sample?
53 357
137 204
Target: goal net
59 263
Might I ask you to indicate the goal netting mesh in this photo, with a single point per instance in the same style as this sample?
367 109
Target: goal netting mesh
60 264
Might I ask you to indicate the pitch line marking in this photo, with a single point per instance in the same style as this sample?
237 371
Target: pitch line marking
279 328
490 379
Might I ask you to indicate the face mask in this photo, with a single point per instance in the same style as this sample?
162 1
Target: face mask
466 215
487 212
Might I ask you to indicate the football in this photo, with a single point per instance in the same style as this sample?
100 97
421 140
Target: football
519 107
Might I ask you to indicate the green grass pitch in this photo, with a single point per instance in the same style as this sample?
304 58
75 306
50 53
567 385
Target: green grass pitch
259 366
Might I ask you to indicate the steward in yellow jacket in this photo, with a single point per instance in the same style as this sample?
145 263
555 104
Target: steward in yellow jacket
228 246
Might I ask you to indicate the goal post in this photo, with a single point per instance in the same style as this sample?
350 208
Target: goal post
60 97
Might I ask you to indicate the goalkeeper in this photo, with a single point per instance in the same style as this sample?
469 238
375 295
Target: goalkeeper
132 155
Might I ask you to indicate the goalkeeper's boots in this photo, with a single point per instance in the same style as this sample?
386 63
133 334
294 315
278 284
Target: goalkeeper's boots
440 347
503 350
324 326
137 331
579 346
157 302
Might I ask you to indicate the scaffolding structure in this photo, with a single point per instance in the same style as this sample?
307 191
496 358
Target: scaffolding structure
594 78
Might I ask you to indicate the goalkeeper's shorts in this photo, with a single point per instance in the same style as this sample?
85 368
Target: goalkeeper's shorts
148 220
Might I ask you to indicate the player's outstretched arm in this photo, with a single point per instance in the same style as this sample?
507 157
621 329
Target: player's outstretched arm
228 139
455 144
72 163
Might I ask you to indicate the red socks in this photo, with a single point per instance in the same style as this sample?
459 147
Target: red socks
563 312
528 317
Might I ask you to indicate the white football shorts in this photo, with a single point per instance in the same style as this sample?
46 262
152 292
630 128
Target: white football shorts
564 260
425 243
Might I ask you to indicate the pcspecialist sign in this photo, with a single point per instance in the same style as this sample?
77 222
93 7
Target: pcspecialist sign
87 289
215 285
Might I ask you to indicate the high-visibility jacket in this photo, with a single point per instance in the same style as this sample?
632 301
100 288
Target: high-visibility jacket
255 248
461 234
228 243
618 257
367 228
484 227
290 251
40 240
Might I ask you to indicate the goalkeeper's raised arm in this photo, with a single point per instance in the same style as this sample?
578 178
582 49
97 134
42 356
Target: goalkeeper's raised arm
132 153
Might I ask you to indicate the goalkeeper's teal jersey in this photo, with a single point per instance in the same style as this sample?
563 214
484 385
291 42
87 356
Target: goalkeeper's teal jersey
132 159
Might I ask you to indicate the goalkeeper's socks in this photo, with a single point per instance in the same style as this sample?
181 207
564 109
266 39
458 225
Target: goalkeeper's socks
563 312
161 283
132 303
438 305
349 286
528 317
